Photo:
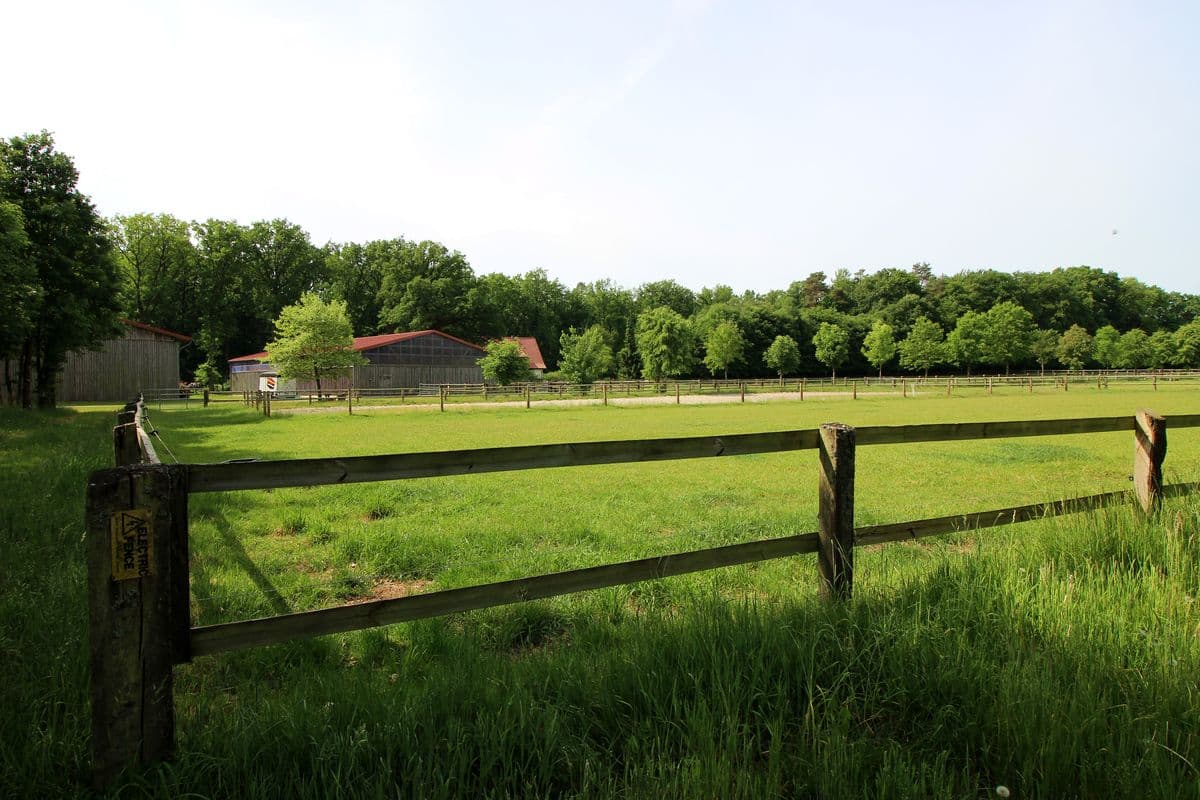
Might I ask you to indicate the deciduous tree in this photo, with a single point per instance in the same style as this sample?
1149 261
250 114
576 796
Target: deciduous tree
783 355
879 346
585 356
831 345
1075 347
723 346
924 347
665 342
504 363
313 340
75 303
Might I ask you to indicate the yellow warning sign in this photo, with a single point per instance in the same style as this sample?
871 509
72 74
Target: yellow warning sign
132 544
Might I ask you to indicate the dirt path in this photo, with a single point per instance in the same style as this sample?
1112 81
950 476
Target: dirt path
667 399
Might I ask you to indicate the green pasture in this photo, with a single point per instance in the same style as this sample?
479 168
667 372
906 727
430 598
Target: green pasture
1054 658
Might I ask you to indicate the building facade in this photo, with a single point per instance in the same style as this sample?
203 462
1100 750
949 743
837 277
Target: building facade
394 361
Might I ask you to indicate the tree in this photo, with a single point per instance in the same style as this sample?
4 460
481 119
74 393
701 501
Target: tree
783 355
723 346
585 356
207 375
504 363
831 345
1187 345
1010 331
74 304
1162 349
1044 347
679 299
923 347
424 286
1075 347
666 343
967 343
1133 350
1106 347
313 339
879 346
18 286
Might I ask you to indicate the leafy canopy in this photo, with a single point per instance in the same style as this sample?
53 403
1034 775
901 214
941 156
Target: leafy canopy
723 347
783 355
923 347
313 339
666 343
585 356
879 345
504 363
831 344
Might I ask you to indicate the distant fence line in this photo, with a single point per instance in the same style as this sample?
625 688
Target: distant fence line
138 557
603 390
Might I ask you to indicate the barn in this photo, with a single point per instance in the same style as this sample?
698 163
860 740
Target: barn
142 357
394 360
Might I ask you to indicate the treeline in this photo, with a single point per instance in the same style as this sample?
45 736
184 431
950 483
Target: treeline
66 274
225 283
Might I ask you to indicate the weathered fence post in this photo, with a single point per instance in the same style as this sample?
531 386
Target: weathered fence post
527 393
126 449
350 401
802 388
854 391
441 398
835 515
676 392
606 394
138 612
1149 450
743 391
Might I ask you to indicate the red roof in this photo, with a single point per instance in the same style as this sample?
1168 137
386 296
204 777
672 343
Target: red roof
529 347
363 343
161 331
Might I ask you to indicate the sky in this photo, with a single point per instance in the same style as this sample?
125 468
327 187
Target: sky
737 143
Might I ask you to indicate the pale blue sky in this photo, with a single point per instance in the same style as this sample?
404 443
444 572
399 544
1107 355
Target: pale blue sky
738 143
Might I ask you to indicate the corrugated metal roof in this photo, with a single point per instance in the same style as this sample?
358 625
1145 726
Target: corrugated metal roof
529 347
162 331
363 343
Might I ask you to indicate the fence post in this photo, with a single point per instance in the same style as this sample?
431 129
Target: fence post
350 401
527 393
854 390
743 391
606 394
1149 450
802 388
138 612
835 559
676 392
126 449
441 398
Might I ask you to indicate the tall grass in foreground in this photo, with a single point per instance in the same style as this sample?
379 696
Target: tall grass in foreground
1056 658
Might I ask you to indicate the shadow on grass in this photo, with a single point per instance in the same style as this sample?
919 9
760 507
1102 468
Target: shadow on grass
234 550
972 676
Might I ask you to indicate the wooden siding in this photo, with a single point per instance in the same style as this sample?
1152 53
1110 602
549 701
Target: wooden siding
118 370
407 364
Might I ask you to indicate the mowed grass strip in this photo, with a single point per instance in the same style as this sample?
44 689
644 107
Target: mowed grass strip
1055 658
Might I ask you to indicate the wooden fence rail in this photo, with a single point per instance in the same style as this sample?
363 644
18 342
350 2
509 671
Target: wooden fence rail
138 544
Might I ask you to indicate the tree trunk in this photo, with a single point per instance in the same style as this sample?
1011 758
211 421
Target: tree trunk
317 378
25 375
47 372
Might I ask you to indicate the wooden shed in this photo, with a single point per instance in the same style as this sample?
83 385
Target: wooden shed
394 360
143 357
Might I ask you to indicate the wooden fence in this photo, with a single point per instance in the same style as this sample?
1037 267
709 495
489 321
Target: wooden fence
137 525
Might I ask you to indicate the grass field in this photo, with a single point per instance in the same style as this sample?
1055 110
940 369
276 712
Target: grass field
1055 658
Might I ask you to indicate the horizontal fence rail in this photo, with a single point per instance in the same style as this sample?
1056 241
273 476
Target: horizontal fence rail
138 563
357 469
